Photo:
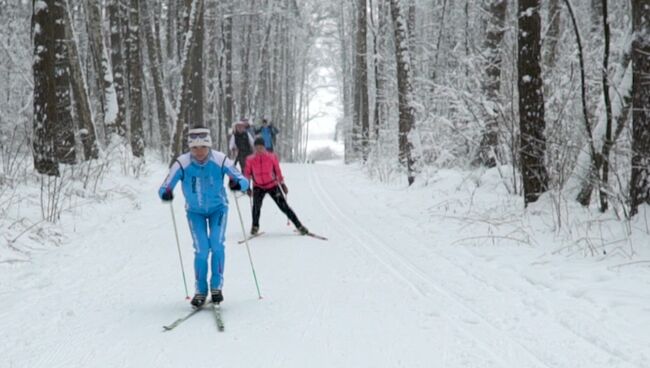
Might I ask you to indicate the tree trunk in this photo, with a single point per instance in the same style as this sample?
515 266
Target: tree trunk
184 102
81 100
195 111
135 80
361 104
155 65
103 71
496 10
53 136
640 179
405 90
531 102
553 33
117 60
381 31
608 109
227 39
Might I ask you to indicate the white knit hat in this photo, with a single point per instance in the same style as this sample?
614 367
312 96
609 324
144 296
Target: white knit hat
199 137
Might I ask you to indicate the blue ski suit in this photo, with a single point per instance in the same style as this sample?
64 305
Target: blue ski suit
206 204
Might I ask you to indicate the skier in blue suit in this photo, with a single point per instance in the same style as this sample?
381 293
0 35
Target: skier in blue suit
268 132
201 172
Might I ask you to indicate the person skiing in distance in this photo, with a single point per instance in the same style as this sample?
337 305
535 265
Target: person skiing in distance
241 143
201 172
263 170
268 132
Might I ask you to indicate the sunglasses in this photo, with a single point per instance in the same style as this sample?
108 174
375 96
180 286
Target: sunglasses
198 135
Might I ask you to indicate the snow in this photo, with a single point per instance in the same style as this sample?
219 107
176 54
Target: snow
450 274
39 6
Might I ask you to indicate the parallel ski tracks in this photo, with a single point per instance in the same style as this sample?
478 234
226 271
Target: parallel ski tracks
514 353
502 347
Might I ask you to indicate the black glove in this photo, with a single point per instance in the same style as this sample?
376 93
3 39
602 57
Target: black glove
284 188
168 196
234 185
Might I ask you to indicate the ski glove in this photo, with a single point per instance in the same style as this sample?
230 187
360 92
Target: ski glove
284 188
167 196
238 185
234 185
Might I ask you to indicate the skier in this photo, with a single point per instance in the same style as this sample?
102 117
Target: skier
201 172
268 132
263 169
241 143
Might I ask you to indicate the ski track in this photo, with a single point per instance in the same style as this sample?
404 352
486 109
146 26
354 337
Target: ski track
508 356
379 293
594 347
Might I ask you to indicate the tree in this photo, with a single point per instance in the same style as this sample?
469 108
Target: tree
496 10
361 120
405 90
80 93
195 111
227 51
53 127
553 33
184 100
532 147
101 64
117 17
640 180
155 65
135 80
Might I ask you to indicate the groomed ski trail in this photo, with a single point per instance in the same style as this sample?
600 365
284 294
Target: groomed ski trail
386 290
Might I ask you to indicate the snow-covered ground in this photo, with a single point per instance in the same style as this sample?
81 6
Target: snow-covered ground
447 274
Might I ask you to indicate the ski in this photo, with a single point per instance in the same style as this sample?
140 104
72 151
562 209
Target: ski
216 308
250 237
182 319
316 236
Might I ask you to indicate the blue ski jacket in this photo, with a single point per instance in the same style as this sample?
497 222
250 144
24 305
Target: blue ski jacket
202 183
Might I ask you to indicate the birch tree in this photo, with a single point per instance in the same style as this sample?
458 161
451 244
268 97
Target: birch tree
405 90
496 10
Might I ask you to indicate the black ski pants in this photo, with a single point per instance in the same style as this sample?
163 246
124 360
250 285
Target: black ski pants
276 194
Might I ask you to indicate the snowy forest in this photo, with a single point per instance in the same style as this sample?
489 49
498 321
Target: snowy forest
486 163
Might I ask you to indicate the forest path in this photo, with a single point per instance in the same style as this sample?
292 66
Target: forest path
387 290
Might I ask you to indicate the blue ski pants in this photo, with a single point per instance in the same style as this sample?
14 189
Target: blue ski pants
208 233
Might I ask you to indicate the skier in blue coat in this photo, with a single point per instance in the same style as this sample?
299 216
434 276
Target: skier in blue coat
201 172
268 132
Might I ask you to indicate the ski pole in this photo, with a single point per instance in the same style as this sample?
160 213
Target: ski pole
180 257
250 258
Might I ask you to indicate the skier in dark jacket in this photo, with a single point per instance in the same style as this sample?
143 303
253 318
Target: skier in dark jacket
241 143
263 170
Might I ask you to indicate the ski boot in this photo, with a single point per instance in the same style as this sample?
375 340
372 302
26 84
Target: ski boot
198 300
217 296
255 230
303 230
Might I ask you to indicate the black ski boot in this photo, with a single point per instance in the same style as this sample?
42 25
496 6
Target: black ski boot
217 296
255 230
198 300
303 230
